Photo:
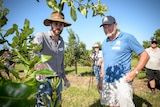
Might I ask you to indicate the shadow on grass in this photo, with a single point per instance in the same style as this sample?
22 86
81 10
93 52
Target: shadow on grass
85 73
138 101
70 71
96 104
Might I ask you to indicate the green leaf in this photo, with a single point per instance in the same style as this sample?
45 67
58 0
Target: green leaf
3 21
15 40
44 71
53 5
5 11
15 27
84 12
26 24
73 13
10 31
22 58
32 78
32 62
33 82
17 95
63 1
45 58
16 74
55 83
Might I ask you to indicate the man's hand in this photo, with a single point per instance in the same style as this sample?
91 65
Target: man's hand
40 66
130 76
66 83
99 86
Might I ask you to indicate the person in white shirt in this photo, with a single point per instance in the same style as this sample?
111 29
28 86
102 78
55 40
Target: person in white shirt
153 65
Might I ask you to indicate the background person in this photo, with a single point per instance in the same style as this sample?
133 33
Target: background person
96 58
153 65
53 45
6 59
116 74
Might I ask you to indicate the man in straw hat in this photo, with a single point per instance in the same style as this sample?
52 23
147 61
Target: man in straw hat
53 45
96 58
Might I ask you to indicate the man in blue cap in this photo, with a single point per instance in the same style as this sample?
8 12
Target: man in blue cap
115 83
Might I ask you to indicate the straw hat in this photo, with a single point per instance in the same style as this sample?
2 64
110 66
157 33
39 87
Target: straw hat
55 16
95 46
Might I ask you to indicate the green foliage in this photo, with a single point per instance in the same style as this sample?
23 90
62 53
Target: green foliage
13 93
141 75
134 55
98 9
100 45
3 14
75 51
19 89
157 35
146 43
23 52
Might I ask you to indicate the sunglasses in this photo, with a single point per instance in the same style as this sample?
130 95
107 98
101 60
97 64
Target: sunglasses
154 42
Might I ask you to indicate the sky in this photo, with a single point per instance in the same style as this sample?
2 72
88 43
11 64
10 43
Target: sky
140 18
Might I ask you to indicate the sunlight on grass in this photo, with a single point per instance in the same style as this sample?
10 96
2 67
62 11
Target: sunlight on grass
83 93
79 97
83 71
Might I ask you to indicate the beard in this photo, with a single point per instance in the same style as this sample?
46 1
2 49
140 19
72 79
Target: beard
56 32
112 33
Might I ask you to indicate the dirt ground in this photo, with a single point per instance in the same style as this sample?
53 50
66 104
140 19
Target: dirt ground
83 81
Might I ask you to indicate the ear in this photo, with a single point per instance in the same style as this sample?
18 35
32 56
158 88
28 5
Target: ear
116 24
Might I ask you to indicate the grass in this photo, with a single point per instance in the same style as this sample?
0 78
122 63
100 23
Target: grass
83 91
79 97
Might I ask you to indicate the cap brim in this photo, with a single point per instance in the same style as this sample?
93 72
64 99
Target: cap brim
154 42
106 24
101 25
48 21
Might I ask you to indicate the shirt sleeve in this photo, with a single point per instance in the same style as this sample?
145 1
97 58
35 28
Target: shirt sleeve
135 45
38 39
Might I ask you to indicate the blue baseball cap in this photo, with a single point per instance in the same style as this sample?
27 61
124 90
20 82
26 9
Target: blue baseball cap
108 20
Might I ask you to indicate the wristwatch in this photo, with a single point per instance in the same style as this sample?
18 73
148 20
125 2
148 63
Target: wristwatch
136 72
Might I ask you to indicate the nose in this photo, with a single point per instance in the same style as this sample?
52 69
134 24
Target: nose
60 25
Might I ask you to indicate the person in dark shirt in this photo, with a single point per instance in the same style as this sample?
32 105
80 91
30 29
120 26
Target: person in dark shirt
53 45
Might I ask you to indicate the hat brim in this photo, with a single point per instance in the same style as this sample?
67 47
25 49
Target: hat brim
95 46
47 22
101 25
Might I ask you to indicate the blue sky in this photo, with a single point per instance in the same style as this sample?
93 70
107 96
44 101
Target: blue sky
138 17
